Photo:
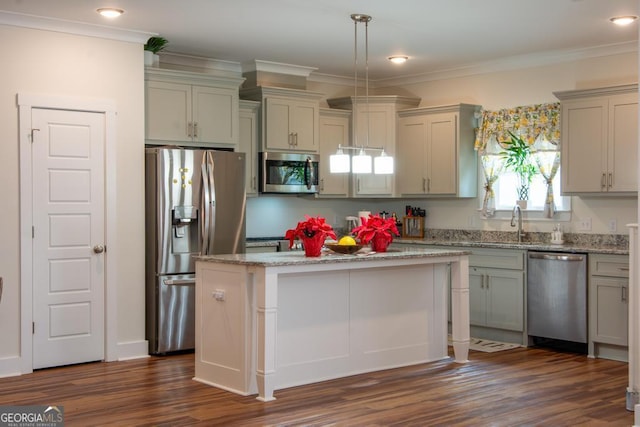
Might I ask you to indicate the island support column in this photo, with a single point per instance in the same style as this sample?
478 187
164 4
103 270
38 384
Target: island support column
267 315
460 330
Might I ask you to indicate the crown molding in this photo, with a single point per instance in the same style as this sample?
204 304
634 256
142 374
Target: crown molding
504 64
73 27
199 63
277 67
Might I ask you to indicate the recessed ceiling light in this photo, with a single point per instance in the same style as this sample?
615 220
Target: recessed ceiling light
623 20
110 12
398 59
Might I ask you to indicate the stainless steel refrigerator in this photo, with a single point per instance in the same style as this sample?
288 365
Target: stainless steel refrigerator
195 204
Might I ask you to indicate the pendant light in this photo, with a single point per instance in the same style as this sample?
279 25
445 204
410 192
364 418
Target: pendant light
360 163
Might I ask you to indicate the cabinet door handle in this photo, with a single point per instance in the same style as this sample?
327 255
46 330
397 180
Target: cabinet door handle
610 180
295 139
358 185
603 181
189 129
195 129
321 184
624 294
253 185
424 185
428 185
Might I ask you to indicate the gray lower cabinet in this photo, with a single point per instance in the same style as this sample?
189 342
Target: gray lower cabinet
608 306
496 292
496 298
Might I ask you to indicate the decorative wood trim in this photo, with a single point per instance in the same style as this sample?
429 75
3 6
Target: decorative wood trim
601 91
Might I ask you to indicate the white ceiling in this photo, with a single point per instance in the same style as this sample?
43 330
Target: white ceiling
437 35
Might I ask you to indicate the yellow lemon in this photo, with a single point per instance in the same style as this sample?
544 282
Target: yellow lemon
347 241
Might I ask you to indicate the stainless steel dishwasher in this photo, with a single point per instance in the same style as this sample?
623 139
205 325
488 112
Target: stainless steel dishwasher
557 296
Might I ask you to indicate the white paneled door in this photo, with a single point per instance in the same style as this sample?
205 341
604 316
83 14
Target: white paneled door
68 237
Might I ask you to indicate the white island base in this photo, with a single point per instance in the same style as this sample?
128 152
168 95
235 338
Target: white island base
270 321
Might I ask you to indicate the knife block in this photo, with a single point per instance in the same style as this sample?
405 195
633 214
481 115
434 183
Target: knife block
413 227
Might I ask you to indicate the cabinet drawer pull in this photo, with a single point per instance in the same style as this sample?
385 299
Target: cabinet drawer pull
603 181
195 129
610 183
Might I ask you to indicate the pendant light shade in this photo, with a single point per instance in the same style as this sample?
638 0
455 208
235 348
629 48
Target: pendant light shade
361 163
383 164
339 162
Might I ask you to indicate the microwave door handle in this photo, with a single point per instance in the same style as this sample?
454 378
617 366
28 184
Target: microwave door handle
212 203
308 167
204 203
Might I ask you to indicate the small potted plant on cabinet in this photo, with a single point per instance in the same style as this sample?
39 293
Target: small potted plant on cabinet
151 49
517 156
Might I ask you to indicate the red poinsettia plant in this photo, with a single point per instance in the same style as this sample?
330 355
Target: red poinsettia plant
376 226
309 229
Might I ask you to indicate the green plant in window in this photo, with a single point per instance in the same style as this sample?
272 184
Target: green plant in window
518 159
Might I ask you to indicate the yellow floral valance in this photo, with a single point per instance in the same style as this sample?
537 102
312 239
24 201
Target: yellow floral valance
529 122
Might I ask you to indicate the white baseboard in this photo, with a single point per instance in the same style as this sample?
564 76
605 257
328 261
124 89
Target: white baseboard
10 366
133 350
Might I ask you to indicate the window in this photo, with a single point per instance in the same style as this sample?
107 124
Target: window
506 197
531 134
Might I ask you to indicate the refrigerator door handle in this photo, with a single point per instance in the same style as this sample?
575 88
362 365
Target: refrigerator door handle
211 207
204 203
179 282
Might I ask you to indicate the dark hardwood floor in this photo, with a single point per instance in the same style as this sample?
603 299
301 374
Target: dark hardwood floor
510 388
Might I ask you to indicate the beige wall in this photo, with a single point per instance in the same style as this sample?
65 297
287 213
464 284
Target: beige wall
51 63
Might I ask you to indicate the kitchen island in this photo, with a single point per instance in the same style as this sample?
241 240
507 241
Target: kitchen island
267 321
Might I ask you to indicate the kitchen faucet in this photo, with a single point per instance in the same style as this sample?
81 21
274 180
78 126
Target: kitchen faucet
517 211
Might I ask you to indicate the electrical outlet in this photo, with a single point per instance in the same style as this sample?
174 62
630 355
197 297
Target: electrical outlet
613 225
584 224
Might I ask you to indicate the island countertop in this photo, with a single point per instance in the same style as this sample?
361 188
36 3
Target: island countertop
266 321
274 259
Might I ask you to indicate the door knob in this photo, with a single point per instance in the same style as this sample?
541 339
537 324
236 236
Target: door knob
98 249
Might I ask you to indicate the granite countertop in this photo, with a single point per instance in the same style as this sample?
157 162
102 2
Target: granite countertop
581 247
616 244
273 259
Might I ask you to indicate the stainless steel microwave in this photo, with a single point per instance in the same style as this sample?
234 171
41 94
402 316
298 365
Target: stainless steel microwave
288 172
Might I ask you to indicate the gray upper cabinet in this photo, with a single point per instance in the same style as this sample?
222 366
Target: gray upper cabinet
435 154
289 118
334 131
599 140
248 144
191 108
375 123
